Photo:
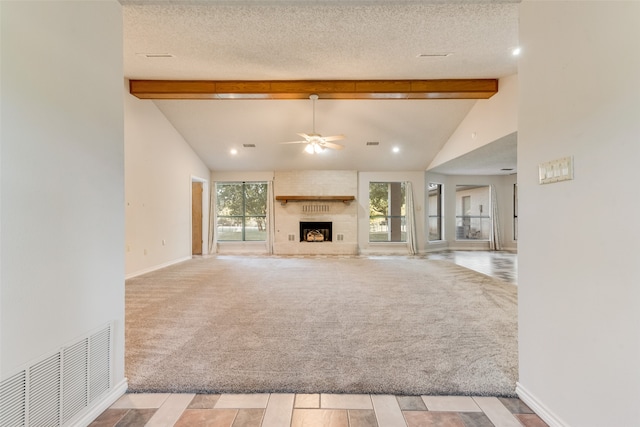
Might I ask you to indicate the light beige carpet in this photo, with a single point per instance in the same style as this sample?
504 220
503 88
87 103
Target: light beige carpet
396 325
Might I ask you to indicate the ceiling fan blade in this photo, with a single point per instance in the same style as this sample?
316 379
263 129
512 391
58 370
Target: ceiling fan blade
332 145
333 138
305 136
295 142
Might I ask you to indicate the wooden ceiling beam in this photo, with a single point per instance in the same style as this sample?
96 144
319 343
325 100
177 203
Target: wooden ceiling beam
325 89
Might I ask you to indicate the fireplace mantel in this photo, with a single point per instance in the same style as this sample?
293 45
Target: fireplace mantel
345 199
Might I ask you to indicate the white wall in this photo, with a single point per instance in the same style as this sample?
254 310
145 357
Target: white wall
417 179
579 292
506 208
159 168
489 120
236 176
62 172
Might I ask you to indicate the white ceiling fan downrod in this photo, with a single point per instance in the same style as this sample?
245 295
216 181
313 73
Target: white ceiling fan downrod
314 146
314 98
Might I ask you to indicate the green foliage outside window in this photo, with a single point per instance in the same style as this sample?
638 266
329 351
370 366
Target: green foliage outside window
241 211
378 199
387 222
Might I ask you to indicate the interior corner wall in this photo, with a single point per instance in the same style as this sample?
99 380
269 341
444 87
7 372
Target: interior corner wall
62 178
159 168
579 299
487 121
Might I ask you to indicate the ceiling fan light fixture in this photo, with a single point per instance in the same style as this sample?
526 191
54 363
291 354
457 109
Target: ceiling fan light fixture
317 143
313 148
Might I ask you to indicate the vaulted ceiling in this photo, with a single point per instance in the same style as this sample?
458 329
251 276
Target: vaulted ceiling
320 40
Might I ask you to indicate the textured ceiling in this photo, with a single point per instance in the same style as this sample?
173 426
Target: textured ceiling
287 40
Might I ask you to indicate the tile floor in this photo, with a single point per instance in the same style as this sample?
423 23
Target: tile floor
333 410
326 410
502 265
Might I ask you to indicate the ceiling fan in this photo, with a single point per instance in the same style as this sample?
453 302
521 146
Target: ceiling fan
316 143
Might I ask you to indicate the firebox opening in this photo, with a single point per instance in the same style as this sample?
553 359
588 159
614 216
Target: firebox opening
315 231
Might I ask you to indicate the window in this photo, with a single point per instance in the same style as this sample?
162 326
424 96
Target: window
434 211
473 219
241 211
515 211
387 221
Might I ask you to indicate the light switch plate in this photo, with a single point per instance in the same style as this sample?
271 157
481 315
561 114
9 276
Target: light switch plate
555 170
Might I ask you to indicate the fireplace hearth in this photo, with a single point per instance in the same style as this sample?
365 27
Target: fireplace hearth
315 231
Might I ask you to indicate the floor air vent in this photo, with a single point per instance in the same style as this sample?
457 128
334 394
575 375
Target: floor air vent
13 398
76 375
51 392
44 392
100 358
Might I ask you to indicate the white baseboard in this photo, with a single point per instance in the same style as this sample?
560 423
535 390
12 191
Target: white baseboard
157 267
539 408
97 409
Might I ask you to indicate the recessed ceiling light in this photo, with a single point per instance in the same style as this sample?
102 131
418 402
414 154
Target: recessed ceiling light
155 55
434 55
516 51
233 151
396 149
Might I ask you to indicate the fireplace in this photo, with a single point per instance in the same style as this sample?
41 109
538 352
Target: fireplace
315 231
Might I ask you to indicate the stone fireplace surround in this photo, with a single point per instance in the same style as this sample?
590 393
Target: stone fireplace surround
342 214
